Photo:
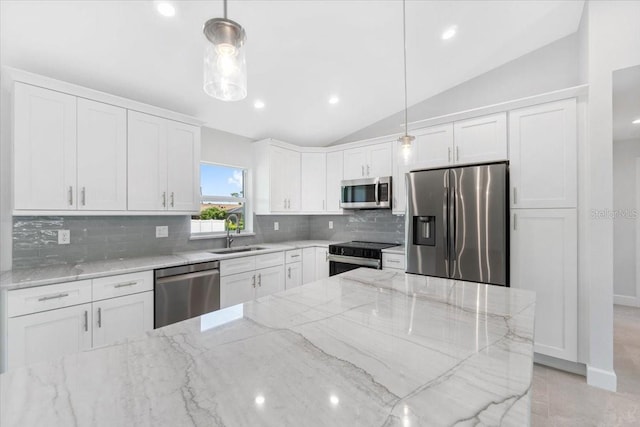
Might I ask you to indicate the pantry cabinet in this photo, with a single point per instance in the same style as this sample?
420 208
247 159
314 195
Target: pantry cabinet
544 260
543 154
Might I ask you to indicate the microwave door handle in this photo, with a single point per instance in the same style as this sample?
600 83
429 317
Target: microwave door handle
377 191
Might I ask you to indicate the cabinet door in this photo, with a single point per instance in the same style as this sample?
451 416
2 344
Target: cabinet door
335 171
481 139
237 288
308 265
543 154
544 260
278 176
293 276
102 156
292 182
380 160
48 335
322 263
269 281
355 163
147 163
44 149
183 167
118 318
434 146
313 170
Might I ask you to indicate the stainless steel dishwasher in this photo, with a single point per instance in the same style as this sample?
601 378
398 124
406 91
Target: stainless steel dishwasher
186 291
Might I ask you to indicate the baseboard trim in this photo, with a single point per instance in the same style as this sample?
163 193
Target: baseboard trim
626 300
560 364
603 379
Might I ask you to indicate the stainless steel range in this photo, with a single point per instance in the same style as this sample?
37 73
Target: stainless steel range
351 255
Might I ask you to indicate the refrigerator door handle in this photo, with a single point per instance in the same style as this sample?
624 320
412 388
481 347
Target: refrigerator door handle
454 222
445 222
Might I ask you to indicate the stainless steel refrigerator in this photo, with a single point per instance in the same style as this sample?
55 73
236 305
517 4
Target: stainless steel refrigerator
457 223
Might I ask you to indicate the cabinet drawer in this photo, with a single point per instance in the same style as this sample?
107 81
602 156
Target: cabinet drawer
43 298
269 260
393 261
237 265
293 256
123 284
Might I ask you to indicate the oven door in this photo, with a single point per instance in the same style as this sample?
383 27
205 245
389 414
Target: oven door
368 193
340 263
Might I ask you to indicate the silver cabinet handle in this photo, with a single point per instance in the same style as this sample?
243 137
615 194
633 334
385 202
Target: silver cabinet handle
289 274
53 297
164 199
86 321
393 261
515 222
284 203
172 199
295 256
260 279
326 256
84 196
253 281
122 285
449 154
515 196
457 154
70 196
99 317
367 170
289 203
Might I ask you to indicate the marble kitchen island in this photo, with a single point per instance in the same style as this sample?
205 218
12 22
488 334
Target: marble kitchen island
365 348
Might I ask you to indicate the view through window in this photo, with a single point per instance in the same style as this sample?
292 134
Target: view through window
223 195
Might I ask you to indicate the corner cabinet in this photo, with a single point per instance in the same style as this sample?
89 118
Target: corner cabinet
277 178
163 164
69 153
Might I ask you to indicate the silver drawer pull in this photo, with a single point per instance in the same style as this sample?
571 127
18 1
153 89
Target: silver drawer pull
99 317
122 285
393 261
295 256
53 297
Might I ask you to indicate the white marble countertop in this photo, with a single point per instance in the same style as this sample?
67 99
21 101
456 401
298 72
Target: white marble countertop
365 348
32 277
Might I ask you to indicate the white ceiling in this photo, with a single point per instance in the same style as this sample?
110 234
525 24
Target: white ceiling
298 54
626 103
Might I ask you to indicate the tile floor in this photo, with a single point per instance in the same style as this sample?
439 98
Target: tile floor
563 399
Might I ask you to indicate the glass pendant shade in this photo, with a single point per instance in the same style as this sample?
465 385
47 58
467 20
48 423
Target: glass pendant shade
405 146
225 67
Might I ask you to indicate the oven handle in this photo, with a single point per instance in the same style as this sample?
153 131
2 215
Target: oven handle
365 262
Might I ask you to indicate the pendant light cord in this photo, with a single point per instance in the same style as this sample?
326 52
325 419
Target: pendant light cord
404 44
225 9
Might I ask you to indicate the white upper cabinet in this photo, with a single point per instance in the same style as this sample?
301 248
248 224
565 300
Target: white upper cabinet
183 167
480 139
433 146
163 164
313 170
368 161
276 178
147 166
44 149
102 156
543 151
335 171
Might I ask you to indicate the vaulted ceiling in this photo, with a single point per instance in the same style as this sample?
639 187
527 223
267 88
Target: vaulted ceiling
299 53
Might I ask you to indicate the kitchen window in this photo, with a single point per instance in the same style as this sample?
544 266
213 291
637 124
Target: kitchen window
223 192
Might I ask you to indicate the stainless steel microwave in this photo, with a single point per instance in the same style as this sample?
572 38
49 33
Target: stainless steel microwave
366 193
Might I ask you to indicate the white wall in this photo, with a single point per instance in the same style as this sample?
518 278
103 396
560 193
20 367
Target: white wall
549 68
613 43
626 158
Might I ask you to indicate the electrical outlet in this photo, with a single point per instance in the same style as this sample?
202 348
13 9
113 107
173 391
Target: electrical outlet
162 231
64 237
330 225
276 226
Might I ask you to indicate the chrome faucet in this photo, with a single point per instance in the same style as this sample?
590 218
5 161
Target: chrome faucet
226 223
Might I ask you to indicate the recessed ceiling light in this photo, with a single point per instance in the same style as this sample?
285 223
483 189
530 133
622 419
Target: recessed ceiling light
259 105
334 100
636 122
165 8
449 32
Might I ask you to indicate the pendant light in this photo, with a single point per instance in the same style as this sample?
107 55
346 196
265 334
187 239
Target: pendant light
225 67
406 139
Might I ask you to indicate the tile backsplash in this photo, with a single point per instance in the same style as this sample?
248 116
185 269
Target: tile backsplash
93 238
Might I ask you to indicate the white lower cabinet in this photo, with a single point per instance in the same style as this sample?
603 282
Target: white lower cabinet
269 280
48 335
293 275
322 263
309 265
115 319
247 278
237 288
544 260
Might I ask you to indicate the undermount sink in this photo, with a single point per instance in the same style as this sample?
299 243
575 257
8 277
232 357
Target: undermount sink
236 250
